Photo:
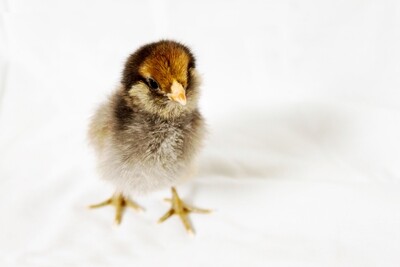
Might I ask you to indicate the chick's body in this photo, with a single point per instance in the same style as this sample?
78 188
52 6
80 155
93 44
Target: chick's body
147 134
141 152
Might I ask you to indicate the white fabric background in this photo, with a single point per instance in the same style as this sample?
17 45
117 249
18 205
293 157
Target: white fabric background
301 166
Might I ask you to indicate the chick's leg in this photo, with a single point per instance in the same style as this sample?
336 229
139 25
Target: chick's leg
120 203
181 209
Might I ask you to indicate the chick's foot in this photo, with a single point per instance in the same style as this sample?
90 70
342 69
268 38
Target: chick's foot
120 203
182 210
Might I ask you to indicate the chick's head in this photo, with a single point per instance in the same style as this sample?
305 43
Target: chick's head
161 78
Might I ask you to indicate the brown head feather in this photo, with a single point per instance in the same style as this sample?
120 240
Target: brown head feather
163 61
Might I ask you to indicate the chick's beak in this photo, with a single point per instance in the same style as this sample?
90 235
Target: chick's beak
177 93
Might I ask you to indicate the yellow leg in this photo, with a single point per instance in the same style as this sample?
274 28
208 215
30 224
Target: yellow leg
182 210
119 202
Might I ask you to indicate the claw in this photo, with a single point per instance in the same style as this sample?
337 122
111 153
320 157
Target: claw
119 202
166 215
197 210
133 205
182 210
101 204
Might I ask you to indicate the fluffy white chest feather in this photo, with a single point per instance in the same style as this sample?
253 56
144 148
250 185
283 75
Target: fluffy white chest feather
145 164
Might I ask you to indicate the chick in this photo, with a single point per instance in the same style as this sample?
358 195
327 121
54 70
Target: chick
147 134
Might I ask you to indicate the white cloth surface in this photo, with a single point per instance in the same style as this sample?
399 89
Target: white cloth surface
302 161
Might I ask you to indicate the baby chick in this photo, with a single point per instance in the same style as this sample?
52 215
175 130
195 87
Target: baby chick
148 133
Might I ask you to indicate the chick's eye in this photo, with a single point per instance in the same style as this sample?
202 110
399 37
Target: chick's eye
152 83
